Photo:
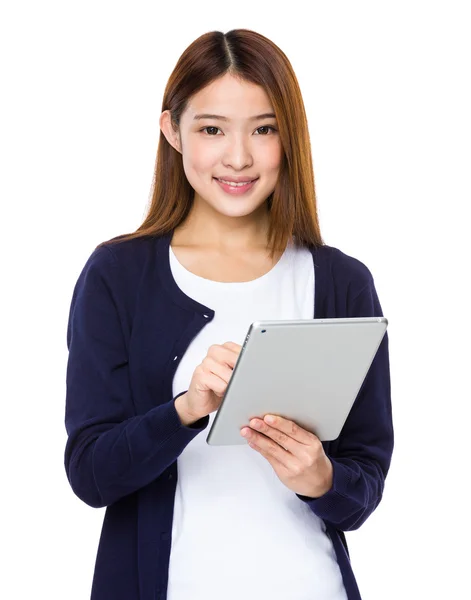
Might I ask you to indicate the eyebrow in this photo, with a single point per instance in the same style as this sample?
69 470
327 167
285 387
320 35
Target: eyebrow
221 118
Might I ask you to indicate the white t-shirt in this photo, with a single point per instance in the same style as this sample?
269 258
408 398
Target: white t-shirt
238 532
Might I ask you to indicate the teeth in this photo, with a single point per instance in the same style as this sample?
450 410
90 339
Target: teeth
235 184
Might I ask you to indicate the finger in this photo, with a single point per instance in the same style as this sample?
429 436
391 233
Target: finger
291 429
271 458
232 345
223 354
220 369
270 450
283 440
214 383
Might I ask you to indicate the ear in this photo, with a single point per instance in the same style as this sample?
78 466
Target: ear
172 135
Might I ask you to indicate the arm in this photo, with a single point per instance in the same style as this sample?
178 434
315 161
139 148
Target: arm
361 455
111 451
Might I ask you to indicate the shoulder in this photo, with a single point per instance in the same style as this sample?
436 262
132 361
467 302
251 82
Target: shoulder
127 250
342 267
119 264
124 256
345 285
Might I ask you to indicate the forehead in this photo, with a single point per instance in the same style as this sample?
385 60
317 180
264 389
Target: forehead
235 99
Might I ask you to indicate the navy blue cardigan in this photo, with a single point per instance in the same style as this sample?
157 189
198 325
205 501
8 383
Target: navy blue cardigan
129 326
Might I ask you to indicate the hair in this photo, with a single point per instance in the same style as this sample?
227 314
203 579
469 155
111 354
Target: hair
251 57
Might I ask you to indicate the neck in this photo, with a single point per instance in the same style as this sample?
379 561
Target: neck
220 232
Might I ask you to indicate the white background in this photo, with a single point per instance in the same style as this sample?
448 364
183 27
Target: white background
387 92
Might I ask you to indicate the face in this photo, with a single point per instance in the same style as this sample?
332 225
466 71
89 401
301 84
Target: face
240 147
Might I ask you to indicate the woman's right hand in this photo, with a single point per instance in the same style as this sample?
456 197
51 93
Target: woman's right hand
208 384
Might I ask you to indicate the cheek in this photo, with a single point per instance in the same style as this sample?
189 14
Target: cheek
271 157
200 158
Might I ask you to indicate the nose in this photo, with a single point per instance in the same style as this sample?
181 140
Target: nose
237 153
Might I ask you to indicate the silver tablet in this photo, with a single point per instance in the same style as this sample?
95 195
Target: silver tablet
309 371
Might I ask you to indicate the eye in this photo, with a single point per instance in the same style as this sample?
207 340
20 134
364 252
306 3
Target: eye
217 128
266 127
204 128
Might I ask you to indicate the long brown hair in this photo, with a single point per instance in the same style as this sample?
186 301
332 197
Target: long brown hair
250 57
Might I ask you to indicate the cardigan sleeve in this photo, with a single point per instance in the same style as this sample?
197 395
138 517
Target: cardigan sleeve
111 451
361 455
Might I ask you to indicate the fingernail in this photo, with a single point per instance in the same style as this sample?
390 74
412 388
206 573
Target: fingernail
269 419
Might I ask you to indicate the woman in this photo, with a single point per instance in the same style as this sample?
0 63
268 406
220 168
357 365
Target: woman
155 327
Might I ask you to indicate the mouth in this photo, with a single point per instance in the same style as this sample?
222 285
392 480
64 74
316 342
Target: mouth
233 183
236 189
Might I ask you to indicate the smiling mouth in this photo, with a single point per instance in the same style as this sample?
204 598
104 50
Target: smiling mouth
234 184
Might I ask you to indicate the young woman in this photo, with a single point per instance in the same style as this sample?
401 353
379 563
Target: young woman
156 324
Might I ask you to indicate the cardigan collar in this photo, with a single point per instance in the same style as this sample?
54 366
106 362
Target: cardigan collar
321 256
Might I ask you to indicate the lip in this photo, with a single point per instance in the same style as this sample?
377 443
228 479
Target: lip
236 190
237 179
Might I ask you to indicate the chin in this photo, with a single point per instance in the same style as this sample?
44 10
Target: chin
238 206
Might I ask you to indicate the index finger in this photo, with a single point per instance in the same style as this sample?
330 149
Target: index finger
233 346
290 428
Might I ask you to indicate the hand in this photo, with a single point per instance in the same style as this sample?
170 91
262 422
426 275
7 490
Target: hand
209 382
296 455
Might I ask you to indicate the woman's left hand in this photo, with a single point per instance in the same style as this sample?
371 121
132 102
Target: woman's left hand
296 455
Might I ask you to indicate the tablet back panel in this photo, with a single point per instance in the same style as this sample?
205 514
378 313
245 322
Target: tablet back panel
309 371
